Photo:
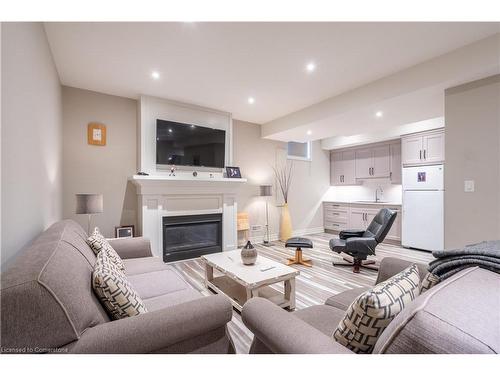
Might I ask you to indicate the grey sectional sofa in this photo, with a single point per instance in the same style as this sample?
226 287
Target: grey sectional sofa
48 305
459 315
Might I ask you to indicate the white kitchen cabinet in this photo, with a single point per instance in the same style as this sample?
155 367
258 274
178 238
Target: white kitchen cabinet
339 216
336 168
423 148
373 162
381 161
395 231
433 147
364 161
357 219
396 167
342 164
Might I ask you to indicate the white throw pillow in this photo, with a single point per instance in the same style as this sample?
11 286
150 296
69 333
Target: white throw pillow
113 289
370 313
97 242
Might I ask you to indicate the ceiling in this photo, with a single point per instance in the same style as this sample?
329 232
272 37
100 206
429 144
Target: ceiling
221 65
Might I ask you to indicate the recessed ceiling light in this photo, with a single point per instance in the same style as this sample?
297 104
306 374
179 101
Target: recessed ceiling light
309 132
311 67
379 114
251 100
170 130
155 75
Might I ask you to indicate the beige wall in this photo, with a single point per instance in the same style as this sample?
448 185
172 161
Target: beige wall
100 169
31 137
472 153
256 157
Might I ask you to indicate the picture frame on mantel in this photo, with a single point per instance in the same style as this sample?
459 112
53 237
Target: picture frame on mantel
96 134
233 172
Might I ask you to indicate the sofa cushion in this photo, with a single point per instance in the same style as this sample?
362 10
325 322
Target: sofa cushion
172 299
113 289
47 299
458 315
323 318
157 283
344 299
144 265
371 312
98 243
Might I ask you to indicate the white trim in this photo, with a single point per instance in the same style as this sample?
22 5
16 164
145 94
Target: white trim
296 233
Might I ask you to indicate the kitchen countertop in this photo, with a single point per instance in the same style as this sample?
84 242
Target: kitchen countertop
383 203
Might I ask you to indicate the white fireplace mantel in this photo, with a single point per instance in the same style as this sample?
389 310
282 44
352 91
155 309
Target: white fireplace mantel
162 195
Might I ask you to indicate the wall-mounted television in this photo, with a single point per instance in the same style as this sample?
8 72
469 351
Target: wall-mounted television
189 145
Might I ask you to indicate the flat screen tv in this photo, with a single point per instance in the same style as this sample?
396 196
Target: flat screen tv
189 145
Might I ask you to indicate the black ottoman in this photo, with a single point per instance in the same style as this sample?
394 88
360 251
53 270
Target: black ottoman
299 243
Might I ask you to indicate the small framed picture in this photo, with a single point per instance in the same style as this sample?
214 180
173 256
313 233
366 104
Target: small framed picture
124 231
96 134
233 172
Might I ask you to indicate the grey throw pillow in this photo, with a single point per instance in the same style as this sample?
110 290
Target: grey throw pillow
370 313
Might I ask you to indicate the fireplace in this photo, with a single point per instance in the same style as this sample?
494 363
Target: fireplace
191 236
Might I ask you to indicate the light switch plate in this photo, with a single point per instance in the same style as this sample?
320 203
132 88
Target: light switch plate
469 186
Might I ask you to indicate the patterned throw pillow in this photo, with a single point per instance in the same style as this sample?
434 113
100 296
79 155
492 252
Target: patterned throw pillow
370 313
114 291
97 242
428 282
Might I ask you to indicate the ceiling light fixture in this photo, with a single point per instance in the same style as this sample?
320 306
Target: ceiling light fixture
311 67
155 75
170 130
379 114
309 132
251 100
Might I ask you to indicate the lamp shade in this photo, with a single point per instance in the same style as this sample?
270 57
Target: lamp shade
88 203
266 190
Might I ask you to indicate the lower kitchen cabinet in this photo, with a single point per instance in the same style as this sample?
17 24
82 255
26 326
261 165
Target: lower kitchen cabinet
339 216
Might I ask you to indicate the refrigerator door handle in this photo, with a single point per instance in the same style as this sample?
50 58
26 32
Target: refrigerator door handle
420 154
424 155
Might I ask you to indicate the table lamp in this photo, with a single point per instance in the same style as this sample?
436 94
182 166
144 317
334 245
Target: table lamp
266 191
89 204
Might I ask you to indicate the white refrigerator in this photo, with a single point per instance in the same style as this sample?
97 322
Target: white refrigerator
423 207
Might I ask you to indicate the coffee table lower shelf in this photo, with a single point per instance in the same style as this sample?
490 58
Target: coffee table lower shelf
238 294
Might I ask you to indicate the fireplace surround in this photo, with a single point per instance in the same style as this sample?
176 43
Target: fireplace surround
191 236
162 196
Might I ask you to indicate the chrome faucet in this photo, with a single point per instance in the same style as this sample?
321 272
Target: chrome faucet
377 198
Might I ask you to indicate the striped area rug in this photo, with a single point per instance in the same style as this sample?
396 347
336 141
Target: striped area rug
313 286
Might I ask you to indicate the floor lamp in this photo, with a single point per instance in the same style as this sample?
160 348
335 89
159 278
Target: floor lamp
88 204
266 191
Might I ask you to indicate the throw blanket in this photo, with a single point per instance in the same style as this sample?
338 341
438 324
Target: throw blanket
485 255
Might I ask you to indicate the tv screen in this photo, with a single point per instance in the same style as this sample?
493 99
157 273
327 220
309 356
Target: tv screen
190 145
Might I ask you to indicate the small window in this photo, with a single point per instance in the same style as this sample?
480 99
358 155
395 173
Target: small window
299 151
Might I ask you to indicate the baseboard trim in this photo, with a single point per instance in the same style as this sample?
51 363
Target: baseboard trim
295 233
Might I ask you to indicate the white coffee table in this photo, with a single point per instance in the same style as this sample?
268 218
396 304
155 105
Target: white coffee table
240 282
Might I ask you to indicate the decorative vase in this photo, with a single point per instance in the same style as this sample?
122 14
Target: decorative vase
248 254
285 224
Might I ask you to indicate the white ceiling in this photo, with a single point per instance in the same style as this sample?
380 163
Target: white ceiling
219 65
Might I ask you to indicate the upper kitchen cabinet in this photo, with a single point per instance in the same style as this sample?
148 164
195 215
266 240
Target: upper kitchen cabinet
373 162
423 148
396 167
342 168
